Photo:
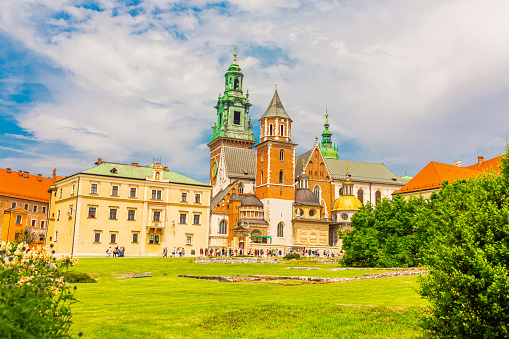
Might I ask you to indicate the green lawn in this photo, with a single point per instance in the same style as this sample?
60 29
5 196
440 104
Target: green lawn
165 306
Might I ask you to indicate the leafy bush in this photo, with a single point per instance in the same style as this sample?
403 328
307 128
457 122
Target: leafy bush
34 299
291 256
78 277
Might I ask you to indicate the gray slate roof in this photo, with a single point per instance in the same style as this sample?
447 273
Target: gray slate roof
363 172
250 200
240 162
304 196
220 195
275 109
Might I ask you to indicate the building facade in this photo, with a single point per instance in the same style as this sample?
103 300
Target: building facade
264 195
141 208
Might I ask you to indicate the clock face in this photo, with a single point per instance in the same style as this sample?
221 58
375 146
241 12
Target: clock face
214 169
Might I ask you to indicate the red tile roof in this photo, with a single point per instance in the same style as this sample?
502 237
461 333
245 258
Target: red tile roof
24 186
434 173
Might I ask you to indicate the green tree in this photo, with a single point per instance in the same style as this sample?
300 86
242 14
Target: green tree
466 226
384 235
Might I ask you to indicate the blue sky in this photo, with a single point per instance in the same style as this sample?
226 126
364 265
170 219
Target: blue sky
406 82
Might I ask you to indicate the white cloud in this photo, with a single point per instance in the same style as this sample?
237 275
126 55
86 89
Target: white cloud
403 80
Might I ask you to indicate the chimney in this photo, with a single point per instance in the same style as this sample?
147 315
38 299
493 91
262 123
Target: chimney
25 174
165 168
8 170
480 159
20 172
135 164
99 161
39 177
457 163
54 175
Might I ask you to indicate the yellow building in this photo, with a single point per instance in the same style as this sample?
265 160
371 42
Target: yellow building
15 223
142 208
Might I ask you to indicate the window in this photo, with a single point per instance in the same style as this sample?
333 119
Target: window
182 218
114 191
72 189
130 214
223 227
113 213
271 132
13 205
236 84
280 228
16 236
113 238
35 209
157 175
132 192
156 194
60 193
58 215
153 239
360 196
241 188
261 177
43 224
157 216
33 223
316 192
261 157
43 209
92 212
56 236
189 240
236 118
183 198
281 176
197 198
26 207
196 219
344 216
282 130
135 237
69 212
282 155
93 189
18 219
97 237
378 197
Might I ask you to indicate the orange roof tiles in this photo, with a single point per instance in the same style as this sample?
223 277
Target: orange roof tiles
24 186
434 173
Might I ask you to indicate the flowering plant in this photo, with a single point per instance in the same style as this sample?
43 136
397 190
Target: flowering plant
34 298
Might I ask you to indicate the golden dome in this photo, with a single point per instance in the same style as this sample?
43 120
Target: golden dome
347 203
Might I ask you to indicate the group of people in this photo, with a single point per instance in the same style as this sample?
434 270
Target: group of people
175 252
223 252
117 252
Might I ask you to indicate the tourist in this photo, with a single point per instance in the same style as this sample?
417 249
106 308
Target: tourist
173 252
108 252
165 252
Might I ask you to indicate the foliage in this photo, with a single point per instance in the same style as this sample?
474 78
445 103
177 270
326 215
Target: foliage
78 277
384 235
34 300
468 258
291 256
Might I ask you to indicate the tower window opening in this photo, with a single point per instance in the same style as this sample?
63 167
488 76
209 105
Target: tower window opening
271 130
282 155
236 84
236 118
316 191
261 177
241 188
281 176
282 130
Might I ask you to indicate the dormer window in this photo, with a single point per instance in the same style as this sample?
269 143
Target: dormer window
113 170
157 176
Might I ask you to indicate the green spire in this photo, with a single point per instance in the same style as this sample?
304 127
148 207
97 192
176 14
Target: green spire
233 107
328 148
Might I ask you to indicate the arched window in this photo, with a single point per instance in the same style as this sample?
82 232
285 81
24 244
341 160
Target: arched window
271 130
241 188
280 230
261 157
341 191
282 130
378 197
223 227
281 176
282 155
316 191
261 177
236 84
157 175
360 196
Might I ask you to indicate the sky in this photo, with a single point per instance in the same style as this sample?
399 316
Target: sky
405 82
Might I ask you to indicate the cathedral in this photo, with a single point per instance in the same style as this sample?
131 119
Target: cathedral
265 196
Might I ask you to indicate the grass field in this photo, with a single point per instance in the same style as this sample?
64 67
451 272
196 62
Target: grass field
165 306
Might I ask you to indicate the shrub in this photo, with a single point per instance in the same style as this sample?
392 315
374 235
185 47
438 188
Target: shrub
291 256
34 299
78 277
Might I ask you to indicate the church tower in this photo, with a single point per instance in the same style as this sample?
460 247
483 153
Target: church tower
231 131
327 147
275 163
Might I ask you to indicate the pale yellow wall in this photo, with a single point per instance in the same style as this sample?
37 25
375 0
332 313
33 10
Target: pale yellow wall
306 209
172 233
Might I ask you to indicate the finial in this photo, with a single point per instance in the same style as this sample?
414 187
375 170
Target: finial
303 163
235 53
347 169
316 139
326 113
405 172
275 85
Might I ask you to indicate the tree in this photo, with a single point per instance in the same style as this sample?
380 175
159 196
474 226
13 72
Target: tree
467 254
384 235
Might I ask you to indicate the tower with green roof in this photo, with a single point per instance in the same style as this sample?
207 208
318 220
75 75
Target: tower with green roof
233 107
328 148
